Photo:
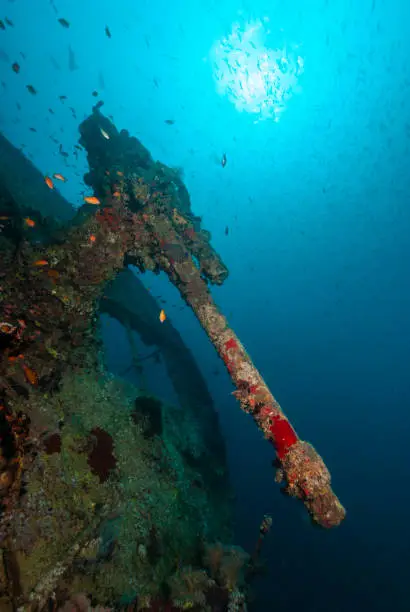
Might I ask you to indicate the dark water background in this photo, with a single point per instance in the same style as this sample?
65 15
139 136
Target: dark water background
318 210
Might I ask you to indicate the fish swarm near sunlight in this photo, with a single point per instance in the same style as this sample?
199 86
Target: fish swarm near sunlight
257 79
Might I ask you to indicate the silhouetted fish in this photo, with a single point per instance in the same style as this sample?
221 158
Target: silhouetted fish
71 60
55 63
62 153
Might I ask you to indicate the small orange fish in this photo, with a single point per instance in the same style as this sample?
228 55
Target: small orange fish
119 173
30 375
116 194
15 357
92 200
41 262
49 182
162 316
59 177
29 222
92 238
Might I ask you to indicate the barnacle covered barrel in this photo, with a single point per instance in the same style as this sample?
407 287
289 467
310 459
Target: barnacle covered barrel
168 238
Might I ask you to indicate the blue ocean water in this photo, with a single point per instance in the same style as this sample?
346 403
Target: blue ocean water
315 196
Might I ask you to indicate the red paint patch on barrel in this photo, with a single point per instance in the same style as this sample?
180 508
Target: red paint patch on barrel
283 434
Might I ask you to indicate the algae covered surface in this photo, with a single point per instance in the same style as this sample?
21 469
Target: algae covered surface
133 521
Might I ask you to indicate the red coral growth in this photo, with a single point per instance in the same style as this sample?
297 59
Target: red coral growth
230 344
101 458
283 435
227 346
228 362
107 216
